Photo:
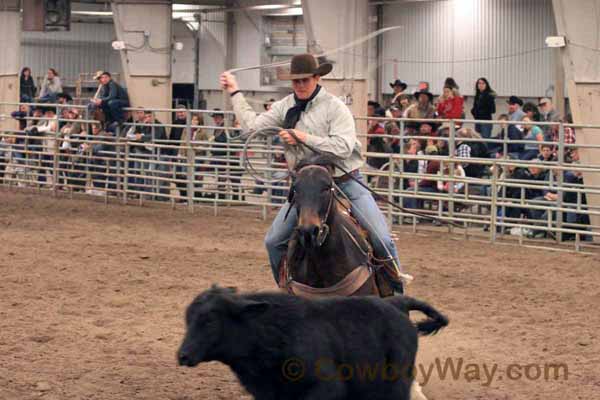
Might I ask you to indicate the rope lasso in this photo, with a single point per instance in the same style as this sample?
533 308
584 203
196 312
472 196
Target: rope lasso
274 131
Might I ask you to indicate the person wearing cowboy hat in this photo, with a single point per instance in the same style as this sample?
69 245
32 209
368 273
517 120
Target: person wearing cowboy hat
399 87
112 98
422 109
321 120
515 112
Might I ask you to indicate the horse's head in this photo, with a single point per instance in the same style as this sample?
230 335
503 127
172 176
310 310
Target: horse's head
313 195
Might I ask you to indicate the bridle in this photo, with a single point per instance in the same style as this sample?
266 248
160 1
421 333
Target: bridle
324 227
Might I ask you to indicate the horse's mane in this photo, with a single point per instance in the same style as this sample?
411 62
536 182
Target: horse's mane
324 160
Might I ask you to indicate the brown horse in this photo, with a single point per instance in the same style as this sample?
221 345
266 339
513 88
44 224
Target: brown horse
328 253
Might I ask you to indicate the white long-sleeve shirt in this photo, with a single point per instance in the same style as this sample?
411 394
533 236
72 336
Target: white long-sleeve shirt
54 86
327 120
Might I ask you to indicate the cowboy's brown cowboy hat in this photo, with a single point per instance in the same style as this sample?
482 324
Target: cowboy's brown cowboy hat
304 66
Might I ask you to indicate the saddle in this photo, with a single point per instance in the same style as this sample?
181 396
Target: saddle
381 272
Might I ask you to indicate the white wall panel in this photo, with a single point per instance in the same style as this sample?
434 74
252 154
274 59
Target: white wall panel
86 48
502 40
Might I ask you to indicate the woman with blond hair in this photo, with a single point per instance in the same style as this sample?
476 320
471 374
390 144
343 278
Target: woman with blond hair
450 104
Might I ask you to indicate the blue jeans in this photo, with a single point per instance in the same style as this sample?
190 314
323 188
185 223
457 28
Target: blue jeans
364 209
49 98
112 109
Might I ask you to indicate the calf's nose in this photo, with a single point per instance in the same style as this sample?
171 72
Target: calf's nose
184 359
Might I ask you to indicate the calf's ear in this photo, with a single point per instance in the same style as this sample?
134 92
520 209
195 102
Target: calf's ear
249 308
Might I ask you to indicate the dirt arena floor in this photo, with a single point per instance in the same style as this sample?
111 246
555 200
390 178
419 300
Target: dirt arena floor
92 300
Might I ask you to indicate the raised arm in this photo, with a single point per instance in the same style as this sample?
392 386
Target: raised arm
245 114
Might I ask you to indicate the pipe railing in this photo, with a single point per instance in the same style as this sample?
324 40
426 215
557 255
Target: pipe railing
202 172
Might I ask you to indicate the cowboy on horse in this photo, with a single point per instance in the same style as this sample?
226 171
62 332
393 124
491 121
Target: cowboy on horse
322 121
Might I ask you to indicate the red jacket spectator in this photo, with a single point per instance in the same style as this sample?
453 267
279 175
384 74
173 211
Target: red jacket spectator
451 107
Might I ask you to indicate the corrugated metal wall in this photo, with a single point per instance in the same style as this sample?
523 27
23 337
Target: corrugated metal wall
86 48
502 40
212 50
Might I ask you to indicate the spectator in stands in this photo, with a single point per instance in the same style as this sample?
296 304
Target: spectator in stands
72 126
112 99
423 86
570 200
514 134
47 129
136 127
21 116
550 114
514 108
540 194
569 138
473 148
63 112
450 104
392 128
541 178
451 83
27 86
547 110
150 132
51 87
546 153
398 87
441 145
64 98
177 137
14 146
422 109
376 143
371 107
512 192
268 104
102 151
153 130
413 147
200 165
226 159
484 107
532 111
135 135
533 134
451 186
426 129
404 101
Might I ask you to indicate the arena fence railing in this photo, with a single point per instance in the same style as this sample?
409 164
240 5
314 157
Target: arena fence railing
498 205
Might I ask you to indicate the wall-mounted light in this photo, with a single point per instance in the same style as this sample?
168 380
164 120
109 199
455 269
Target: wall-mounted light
118 45
556 41
178 46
